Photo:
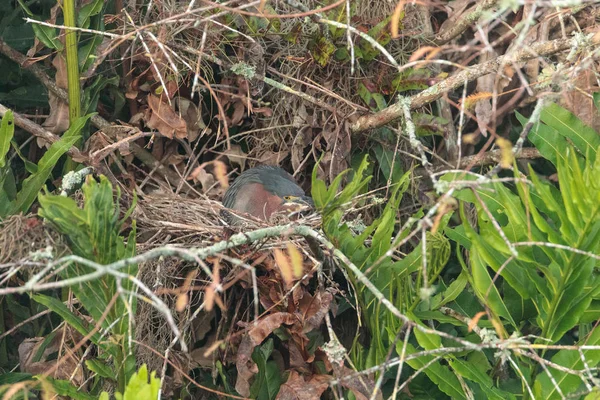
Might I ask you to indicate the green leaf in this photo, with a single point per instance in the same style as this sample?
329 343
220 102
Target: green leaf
321 50
451 292
138 386
48 36
387 158
586 139
63 311
440 375
568 383
546 139
88 11
66 388
7 130
472 372
33 184
101 368
268 380
13 377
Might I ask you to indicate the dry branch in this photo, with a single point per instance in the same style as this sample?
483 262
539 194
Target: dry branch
457 80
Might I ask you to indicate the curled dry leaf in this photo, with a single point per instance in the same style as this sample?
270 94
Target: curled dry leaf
220 172
29 348
302 139
296 388
361 386
273 157
163 118
58 120
192 115
285 267
245 366
314 309
236 155
338 148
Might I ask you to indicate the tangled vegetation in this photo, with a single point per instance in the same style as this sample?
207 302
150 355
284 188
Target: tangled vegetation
450 148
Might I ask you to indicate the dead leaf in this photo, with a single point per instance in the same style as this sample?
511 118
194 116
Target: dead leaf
339 145
192 115
37 45
236 155
285 266
314 310
302 139
297 261
29 348
238 113
296 388
58 120
162 117
220 172
273 157
245 366
579 100
360 385
199 174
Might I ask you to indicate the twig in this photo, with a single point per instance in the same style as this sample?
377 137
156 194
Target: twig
39 131
395 111
463 23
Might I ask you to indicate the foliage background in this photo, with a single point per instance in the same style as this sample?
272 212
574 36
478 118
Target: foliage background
450 148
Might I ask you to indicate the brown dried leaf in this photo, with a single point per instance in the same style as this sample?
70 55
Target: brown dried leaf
58 120
182 302
199 174
238 113
296 388
236 155
297 358
245 366
579 101
361 386
30 347
297 261
302 139
273 157
220 172
285 266
192 115
314 310
162 117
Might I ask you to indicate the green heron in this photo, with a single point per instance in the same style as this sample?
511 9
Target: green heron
266 190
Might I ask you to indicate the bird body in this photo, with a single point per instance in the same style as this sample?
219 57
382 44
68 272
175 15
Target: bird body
265 190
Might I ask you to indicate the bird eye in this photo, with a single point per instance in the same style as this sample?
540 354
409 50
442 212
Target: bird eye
287 197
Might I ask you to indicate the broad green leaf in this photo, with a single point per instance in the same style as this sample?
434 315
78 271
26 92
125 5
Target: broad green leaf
586 139
547 140
141 386
470 371
385 159
440 375
33 184
568 383
451 293
268 380
48 36
101 368
87 11
7 130
66 388
63 311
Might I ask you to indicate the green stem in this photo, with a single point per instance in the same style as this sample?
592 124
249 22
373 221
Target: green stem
72 61
74 89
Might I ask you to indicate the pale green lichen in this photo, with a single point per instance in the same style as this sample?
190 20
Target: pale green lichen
243 69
